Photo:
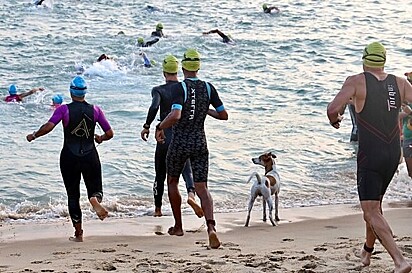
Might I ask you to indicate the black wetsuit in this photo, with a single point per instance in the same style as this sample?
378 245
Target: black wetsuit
161 96
189 139
79 157
157 33
150 43
379 139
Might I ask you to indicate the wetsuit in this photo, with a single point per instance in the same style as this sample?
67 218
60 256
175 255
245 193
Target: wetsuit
379 140
150 43
157 33
13 98
354 133
161 96
79 156
189 139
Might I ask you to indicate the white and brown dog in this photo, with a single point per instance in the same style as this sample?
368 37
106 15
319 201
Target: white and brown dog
265 186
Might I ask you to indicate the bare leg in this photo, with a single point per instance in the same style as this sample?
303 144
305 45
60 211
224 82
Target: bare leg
370 242
158 212
175 201
98 208
207 206
78 233
373 216
192 202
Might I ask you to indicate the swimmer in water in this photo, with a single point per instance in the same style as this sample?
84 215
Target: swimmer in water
142 43
267 9
226 38
14 97
159 31
146 61
57 101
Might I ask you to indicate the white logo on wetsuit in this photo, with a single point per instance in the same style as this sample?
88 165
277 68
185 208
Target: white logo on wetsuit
81 130
392 99
192 103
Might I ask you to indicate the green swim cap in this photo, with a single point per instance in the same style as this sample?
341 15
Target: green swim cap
140 40
159 26
170 64
191 60
374 55
264 6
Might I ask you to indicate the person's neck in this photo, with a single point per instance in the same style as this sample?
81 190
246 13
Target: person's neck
77 99
171 78
190 74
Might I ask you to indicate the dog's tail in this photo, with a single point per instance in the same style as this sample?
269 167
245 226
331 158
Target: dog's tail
259 179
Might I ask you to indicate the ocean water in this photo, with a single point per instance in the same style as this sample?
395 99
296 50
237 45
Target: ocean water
275 81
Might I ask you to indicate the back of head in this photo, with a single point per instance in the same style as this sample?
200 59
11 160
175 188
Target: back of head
78 87
12 89
264 6
159 26
191 60
170 64
57 99
140 40
374 55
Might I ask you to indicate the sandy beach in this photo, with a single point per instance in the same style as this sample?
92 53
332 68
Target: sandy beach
309 239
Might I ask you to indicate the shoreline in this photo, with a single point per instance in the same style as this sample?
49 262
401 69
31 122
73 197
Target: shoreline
312 239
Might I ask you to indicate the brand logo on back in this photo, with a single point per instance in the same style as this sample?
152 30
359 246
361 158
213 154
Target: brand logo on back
392 98
192 103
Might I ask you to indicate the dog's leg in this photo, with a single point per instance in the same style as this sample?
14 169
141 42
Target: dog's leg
276 207
270 205
250 206
264 208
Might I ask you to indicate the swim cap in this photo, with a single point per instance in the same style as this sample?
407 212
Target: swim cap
78 86
12 89
374 55
159 26
140 40
57 99
191 60
264 6
170 64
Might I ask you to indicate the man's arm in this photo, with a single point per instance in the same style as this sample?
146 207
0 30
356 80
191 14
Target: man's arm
151 114
222 115
338 104
407 90
43 130
28 93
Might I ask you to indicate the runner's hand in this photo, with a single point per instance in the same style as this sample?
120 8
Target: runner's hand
144 134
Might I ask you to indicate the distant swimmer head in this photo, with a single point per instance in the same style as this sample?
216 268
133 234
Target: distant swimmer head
170 64
12 89
409 76
374 55
103 57
57 99
191 60
78 87
159 26
140 40
265 6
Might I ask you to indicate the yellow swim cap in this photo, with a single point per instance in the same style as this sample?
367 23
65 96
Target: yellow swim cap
140 40
264 6
191 60
170 64
374 55
159 26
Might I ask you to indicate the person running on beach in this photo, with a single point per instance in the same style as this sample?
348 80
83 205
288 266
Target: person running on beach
161 97
79 156
267 9
226 38
159 31
190 106
142 43
14 97
377 98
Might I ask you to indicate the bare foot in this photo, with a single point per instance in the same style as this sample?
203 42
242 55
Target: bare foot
101 212
175 231
213 240
76 238
404 268
158 212
365 257
198 210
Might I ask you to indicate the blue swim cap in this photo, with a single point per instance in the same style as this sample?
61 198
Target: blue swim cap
78 87
12 89
57 99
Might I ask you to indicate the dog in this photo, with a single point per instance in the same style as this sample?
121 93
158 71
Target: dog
265 186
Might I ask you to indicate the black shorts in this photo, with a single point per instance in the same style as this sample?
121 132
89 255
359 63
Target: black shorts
372 185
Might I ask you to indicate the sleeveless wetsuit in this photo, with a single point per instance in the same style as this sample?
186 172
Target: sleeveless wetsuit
79 156
189 139
379 140
162 97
